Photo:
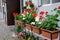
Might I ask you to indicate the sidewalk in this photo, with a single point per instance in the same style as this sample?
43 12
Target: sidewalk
6 32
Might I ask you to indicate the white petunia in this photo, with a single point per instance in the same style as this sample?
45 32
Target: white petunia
37 18
23 15
23 18
39 23
28 7
33 23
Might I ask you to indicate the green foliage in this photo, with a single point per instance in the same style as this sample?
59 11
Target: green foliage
27 35
32 5
38 25
29 18
18 28
51 22
24 7
58 11
55 9
16 17
20 18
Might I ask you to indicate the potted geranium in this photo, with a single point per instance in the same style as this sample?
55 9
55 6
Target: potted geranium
49 25
36 28
29 19
37 25
22 19
24 35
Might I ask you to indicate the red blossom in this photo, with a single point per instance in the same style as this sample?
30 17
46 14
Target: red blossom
24 13
34 15
58 7
26 3
46 12
41 17
15 14
42 12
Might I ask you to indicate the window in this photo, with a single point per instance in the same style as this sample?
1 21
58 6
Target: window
55 1
45 2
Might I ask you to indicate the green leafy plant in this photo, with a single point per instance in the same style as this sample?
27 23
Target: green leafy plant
18 28
21 18
24 7
32 5
57 9
51 21
30 18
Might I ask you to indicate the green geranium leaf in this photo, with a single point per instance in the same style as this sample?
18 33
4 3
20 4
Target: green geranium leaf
55 9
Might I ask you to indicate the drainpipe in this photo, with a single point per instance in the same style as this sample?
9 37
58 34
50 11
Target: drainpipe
21 6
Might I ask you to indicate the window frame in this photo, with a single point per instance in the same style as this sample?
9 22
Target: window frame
48 4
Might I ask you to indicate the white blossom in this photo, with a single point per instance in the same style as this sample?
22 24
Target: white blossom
23 15
33 23
28 7
37 18
39 23
23 18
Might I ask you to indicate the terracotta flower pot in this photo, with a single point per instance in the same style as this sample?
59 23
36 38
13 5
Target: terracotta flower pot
20 23
16 21
36 30
49 34
29 27
21 38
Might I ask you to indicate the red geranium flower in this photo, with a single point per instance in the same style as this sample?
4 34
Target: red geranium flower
58 7
34 15
26 3
24 13
46 12
15 14
42 12
41 17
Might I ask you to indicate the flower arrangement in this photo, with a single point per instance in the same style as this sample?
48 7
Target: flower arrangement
51 20
39 19
25 35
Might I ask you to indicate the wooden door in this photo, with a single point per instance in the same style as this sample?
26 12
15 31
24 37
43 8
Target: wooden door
12 6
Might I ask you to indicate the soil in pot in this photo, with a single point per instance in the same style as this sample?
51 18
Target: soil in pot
47 33
29 27
36 30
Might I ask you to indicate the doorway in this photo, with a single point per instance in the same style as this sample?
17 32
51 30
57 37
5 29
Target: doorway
11 6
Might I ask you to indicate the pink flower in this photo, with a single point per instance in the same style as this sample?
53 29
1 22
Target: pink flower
21 33
42 12
58 7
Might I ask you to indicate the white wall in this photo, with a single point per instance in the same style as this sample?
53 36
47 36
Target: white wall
1 14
